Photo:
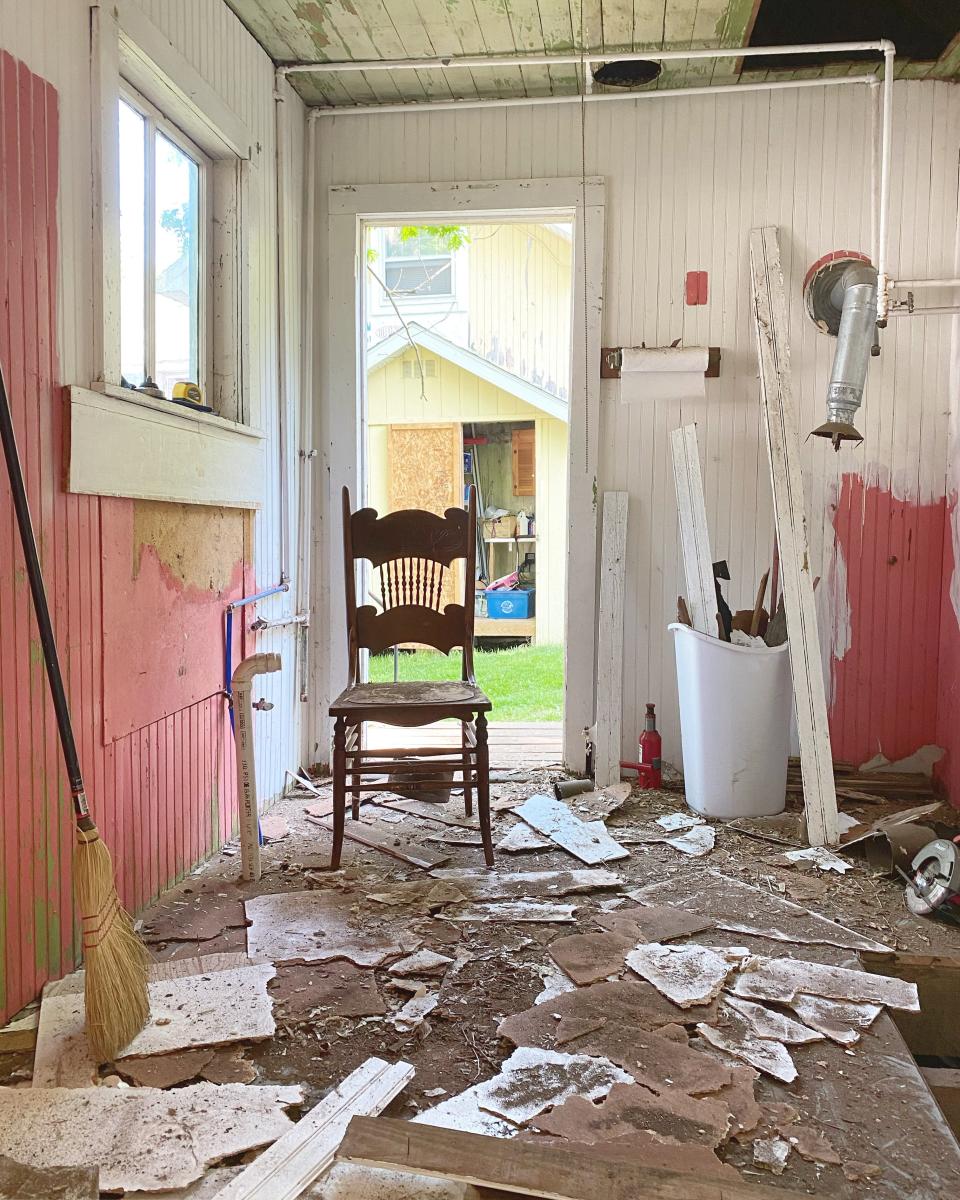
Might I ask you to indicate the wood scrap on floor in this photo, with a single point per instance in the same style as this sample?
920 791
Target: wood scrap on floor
555 820
520 885
195 1010
301 1155
523 1168
137 1136
386 840
512 910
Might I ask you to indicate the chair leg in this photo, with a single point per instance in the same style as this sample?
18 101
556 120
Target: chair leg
467 759
355 738
483 788
339 788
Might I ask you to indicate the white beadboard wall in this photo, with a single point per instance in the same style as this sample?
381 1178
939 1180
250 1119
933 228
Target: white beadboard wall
686 180
52 37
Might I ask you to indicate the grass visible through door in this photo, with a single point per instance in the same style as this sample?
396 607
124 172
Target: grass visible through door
524 683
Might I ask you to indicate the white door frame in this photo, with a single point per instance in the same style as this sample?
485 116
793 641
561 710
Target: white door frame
349 207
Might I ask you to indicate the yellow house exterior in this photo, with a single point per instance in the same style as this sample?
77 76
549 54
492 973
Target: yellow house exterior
451 393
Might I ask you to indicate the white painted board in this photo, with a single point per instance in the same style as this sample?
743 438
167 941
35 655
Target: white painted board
609 707
701 594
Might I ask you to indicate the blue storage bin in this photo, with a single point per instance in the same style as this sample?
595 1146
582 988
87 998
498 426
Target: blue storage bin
511 606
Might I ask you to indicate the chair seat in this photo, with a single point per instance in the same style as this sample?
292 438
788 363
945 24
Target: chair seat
453 696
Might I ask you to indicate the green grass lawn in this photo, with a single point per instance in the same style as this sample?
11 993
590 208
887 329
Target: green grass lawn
524 683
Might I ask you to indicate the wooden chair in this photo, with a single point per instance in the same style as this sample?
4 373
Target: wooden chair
413 551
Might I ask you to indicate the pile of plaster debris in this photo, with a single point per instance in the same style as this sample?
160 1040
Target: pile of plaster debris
646 1045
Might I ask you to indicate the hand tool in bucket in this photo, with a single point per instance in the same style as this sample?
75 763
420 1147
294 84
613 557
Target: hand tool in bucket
116 962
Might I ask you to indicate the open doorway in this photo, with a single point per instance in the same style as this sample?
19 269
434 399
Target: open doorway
466 371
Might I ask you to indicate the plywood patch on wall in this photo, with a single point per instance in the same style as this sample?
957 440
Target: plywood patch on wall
200 546
168 570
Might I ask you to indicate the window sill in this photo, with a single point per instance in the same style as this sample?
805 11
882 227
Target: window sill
123 443
168 407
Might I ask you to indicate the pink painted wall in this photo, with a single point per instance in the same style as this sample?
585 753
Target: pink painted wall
884 687
161 781
948 701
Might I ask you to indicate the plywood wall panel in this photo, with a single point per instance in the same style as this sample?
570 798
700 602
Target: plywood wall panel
686 180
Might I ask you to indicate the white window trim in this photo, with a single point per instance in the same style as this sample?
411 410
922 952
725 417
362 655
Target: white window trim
454 301
160 123
126 46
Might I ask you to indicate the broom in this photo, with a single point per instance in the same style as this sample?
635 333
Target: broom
116 962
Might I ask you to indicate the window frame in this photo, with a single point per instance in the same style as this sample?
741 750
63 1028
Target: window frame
157 122
415 303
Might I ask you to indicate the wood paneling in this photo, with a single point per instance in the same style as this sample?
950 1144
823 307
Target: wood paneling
686 180
524 460
163 792
394 29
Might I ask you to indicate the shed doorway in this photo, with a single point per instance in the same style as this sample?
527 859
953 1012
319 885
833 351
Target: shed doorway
466 379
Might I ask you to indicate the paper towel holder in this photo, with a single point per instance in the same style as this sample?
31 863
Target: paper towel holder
611 359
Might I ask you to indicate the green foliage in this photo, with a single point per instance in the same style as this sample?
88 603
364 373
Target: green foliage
177 221
525 683
445 237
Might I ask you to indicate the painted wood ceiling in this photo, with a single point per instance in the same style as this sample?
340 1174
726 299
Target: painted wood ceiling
304 31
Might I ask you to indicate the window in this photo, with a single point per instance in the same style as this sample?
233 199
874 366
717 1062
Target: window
163 243
416 266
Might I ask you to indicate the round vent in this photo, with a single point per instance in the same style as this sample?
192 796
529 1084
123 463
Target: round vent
629 73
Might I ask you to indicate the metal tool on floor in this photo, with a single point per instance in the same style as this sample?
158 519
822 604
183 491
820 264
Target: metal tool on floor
650 748
934 882
115 979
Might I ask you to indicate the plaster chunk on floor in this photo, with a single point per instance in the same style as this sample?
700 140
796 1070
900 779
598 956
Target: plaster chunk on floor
781 979
347 1181
695 842
522 838
463 1112
555 983
424 962
812 1145
771 1154
839 1020
589 957
678 820
630 1108
532 1080
767 1023
772 1058
141 1137
317 926
687 975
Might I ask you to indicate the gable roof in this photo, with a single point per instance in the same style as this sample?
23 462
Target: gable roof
469 360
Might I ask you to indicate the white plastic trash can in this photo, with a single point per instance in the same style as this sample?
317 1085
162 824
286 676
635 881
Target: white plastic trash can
735 709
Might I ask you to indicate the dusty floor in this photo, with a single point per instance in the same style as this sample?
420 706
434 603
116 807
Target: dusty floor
501 966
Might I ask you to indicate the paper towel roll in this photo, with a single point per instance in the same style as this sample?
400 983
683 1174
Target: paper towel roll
663 373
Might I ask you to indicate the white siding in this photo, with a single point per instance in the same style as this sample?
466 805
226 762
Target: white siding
686 180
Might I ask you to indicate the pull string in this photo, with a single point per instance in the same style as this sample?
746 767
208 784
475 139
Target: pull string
583 239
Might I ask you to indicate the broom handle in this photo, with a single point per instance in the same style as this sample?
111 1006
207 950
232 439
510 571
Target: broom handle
67 742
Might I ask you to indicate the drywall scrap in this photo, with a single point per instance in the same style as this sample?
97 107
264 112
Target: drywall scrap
589 842
687 975
195 1010
316 926
141 1137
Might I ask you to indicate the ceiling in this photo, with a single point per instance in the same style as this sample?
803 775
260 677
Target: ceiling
297 31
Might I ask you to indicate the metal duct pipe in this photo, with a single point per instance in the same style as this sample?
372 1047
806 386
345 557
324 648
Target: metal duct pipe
844 300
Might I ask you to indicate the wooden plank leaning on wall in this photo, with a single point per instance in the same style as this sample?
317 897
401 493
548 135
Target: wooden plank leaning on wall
783 443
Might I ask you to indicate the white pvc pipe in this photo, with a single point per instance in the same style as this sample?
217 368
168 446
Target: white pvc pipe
924 283
241 684
925 312
281 332
738 89
472 61
883 279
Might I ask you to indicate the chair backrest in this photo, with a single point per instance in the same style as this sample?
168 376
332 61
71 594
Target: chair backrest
413 550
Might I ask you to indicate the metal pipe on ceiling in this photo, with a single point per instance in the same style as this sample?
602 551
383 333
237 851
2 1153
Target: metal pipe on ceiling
738 89
472 61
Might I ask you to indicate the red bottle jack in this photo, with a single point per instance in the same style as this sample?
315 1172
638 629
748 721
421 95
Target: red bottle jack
650 750
648 769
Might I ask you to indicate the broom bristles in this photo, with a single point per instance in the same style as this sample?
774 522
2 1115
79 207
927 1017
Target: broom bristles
115 987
